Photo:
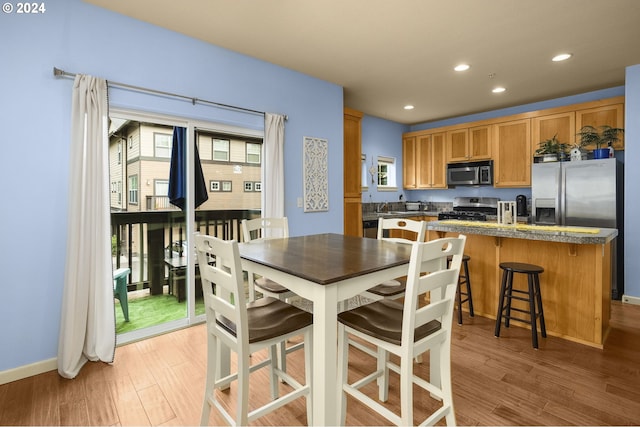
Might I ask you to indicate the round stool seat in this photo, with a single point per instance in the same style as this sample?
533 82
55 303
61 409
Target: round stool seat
464 258
521 267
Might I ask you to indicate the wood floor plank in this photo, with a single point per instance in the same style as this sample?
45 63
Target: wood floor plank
127 402
156 405
46 404
18 403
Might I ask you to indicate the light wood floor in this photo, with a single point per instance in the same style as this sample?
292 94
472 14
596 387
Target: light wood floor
496 381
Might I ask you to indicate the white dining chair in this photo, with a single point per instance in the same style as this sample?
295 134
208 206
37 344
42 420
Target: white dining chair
246 327
395 289
407 331
259 229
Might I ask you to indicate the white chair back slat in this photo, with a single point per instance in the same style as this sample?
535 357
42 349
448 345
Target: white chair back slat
219 263
402 224
264 228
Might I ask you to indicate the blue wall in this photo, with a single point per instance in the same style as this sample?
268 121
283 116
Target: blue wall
35 112
631 179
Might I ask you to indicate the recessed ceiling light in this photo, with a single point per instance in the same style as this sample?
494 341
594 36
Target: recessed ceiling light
561 57
408 107
462 67
498 89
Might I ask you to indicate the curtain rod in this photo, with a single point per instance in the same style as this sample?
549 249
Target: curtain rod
57 72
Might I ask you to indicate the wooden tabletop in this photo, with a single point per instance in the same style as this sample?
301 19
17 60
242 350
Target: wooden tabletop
326 258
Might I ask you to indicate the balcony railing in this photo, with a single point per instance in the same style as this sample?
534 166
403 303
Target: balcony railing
159 203
144 239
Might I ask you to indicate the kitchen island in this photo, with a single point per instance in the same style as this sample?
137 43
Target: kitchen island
576 283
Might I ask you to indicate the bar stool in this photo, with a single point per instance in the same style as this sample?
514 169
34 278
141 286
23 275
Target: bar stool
464 279
532 297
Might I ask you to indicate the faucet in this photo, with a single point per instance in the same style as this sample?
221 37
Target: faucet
382 207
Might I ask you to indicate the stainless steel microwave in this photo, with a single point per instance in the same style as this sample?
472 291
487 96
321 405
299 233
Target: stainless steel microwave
471 173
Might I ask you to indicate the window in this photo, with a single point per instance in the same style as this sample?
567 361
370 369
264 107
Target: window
221 149
248 186
130 142
386 173
119 153
220 186
253 153
257 186
161 187
162 144
133 189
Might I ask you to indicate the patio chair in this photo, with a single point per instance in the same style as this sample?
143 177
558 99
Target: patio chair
120 290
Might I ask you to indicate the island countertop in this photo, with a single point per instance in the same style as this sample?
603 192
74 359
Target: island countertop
561 234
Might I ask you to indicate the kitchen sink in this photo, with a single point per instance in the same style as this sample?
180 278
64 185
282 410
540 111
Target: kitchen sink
398 213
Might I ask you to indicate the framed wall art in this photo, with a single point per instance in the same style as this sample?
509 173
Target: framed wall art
316 174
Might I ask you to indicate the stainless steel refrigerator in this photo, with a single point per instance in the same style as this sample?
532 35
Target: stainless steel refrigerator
582 193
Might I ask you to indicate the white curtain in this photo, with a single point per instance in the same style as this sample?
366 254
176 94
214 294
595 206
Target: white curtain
273 170
87 324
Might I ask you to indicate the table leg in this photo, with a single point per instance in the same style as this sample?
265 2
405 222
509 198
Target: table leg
325 353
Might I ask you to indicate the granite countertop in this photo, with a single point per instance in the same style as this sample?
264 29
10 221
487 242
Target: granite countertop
529 232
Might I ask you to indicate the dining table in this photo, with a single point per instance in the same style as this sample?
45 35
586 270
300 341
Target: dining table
326 269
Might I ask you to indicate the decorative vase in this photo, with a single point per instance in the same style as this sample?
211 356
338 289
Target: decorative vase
601 153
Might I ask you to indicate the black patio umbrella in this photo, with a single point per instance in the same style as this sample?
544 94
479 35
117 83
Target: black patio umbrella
177 172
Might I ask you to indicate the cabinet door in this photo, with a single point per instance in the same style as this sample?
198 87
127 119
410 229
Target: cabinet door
352 155
352 166
611 115
512 154
562 125
424 165
457 145
480 142
409 162
438 160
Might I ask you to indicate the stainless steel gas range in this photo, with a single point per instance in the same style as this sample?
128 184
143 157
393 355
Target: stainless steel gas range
471 208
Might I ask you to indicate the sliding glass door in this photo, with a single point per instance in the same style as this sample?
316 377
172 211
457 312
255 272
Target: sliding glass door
155 187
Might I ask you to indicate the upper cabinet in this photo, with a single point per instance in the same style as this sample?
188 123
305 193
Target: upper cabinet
510 141
512 154
611 115
468 144
424 161
561 125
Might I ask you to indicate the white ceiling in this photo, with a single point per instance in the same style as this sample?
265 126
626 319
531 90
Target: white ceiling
389 53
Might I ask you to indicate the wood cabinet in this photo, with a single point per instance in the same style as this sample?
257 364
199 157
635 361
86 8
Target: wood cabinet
561 125
510 141
424 161
352 168
512 154
611 115
409 161
469 144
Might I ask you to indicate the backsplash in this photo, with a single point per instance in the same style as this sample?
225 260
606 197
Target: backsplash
369 208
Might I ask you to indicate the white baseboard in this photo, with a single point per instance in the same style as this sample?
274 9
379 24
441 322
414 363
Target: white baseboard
630 300
28 370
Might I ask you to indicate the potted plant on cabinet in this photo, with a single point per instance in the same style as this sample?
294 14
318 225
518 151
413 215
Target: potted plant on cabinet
550 150
609 136
589 135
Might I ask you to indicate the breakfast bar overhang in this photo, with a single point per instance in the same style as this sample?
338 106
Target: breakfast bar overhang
575 285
